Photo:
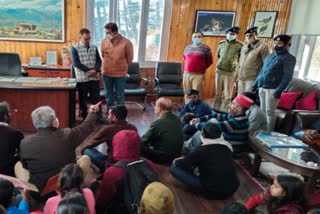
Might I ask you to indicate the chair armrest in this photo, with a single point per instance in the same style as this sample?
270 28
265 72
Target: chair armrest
145 80
156 81
304 120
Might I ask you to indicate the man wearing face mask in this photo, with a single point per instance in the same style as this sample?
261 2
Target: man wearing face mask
274 77
86 62
252 56
10 141
228 54
197 58
195 108
117 54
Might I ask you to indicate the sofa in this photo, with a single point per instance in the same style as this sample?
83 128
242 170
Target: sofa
288 120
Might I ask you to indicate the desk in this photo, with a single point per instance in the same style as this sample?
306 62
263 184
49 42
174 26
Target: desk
288 158
24 94
47 71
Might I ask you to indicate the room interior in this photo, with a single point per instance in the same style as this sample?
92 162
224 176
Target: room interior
180 26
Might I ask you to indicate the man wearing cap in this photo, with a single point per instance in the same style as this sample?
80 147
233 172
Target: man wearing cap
234 126
197 58
228 54
274 77
195 108
252 56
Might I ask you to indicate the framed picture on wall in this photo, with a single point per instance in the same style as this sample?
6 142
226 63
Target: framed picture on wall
265 21
32 20
214 23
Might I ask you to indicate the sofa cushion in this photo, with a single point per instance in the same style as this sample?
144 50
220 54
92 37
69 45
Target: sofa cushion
288 99
308 102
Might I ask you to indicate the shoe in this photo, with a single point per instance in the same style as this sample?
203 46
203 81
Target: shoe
102 121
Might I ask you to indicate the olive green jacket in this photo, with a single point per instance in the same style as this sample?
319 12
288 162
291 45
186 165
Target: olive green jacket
228 54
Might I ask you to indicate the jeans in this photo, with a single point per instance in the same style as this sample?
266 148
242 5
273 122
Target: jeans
194 141
188 178
97 158
268 104
111 85
93 89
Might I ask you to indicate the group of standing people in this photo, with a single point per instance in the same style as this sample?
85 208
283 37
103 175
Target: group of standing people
248 66
117 55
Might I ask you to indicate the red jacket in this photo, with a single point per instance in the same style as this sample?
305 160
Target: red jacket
126 147
262 199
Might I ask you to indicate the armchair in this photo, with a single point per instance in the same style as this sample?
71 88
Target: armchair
10 64
133 87
168 79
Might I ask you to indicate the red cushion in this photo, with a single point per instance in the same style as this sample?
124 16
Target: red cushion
309 102
288 99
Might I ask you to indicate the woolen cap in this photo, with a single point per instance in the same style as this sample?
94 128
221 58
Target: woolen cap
283 37
157 198
244 101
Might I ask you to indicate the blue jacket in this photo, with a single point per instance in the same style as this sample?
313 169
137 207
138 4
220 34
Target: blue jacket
199 110
276 73
23 208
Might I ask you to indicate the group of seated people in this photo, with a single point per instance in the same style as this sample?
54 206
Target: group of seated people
194 141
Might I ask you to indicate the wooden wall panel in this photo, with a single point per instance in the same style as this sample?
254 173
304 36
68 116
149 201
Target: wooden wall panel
182 26
74 21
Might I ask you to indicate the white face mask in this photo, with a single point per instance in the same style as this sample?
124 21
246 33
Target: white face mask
231 37
250 40
109 37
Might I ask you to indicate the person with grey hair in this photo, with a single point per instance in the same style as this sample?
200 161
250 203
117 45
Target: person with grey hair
10 141
163 141
46 152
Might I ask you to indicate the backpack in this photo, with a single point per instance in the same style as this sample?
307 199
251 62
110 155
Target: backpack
138 175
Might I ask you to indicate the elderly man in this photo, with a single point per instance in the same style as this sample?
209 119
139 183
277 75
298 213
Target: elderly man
117 117
228 55
163 141
10 141
274 77
251 60
47 151
234 126
197 58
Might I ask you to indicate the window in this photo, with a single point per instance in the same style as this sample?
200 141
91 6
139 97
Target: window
140 21
306 48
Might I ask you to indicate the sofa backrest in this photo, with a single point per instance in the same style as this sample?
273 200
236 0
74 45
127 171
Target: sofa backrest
306 87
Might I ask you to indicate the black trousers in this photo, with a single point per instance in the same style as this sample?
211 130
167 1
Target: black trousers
92 89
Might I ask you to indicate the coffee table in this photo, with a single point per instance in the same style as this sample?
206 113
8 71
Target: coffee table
288 158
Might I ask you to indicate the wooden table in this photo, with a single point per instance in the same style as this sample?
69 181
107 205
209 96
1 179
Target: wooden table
288 158
24 94
51 71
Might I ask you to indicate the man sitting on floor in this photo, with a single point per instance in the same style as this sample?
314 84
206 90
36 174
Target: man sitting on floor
10 141
234 126
117 118
202 171
195 108
46 152
163 141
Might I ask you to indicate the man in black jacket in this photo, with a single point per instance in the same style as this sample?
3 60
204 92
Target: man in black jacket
202 171
10 141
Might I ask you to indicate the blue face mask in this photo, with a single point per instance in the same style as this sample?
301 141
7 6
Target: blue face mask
196 41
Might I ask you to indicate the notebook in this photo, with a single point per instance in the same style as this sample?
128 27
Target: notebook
278 140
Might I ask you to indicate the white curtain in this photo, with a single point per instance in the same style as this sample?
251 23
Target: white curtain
304 17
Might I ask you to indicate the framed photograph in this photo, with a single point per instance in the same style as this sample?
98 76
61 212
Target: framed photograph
265 21
214 23
32 20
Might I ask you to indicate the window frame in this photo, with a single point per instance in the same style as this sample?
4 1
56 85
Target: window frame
165 28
